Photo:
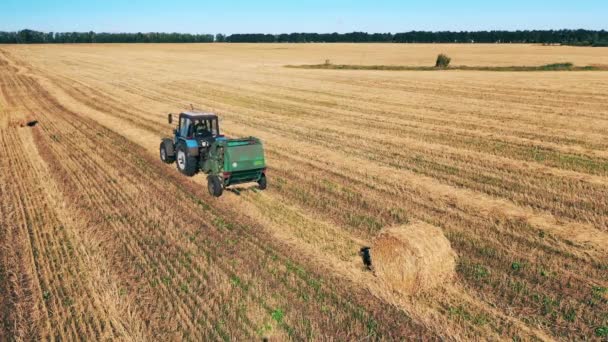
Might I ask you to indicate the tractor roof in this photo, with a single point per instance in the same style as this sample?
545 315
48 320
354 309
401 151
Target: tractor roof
199 115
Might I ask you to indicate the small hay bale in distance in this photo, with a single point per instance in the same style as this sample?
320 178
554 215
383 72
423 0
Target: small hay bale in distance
413 258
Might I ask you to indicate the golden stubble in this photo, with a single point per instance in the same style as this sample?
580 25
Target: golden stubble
519 149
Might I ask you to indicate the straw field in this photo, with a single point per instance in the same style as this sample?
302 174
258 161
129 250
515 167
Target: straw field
100 240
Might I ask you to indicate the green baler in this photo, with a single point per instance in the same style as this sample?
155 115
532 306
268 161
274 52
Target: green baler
237 161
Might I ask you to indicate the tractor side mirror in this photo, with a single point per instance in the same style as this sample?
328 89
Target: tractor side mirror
170 118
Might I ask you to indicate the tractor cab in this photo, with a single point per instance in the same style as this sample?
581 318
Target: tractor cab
197 126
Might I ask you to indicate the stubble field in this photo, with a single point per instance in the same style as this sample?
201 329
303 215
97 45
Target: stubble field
100 240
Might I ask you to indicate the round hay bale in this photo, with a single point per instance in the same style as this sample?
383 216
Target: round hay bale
413 258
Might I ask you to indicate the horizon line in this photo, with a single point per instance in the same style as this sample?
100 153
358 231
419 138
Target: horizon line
314 32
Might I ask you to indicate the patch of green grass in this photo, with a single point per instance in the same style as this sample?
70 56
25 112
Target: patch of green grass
480 272
599 289
218 327
235 281
363 221
278 315
547 67
597 296
461 312
315 284
516 266
558 66
264 329
372 327
549 305
221 224
243 285
476 272
519 287
295 268
582 162
570 315
202 204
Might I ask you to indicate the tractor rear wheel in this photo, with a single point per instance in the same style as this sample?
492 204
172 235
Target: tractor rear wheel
214 185
262 182
164 155
185 164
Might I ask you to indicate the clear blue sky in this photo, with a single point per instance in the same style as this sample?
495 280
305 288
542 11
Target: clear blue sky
276 16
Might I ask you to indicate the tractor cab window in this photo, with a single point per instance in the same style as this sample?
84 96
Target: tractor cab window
184 127
202 128
214 127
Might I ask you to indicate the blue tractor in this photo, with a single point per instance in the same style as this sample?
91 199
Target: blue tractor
197 145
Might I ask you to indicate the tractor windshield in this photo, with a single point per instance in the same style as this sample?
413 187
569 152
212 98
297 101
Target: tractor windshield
204 128
214 127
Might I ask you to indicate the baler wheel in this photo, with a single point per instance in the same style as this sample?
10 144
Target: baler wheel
214 185
262 182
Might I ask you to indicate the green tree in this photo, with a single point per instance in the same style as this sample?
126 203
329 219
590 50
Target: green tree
443 61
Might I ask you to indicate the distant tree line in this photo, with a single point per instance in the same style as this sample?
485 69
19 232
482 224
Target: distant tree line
567 37
35 37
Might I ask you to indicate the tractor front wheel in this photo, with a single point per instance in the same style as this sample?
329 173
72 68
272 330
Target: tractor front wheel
185 164
214 185
262 182
164 155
